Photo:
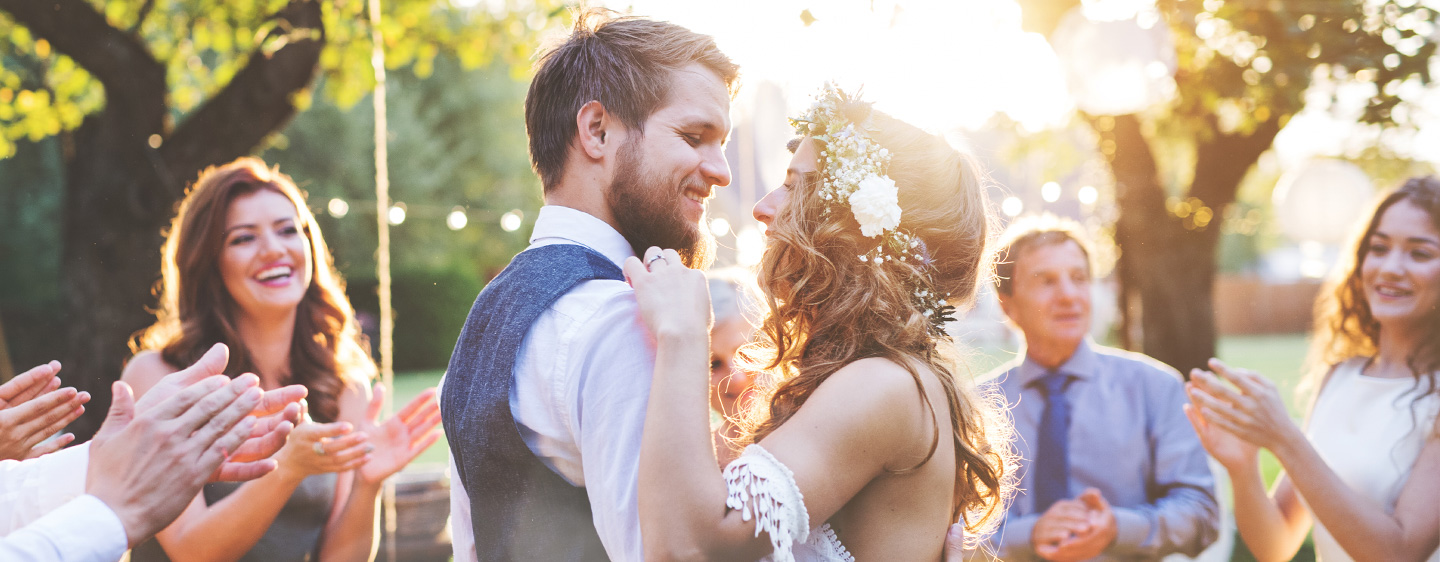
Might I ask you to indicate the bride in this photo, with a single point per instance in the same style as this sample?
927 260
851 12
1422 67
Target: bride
867 444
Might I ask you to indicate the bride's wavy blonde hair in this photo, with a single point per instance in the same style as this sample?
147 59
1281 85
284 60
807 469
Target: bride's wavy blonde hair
828 309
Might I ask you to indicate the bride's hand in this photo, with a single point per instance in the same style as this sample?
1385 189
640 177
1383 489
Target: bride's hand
674 299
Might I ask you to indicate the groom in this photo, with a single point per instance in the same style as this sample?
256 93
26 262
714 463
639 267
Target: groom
544 398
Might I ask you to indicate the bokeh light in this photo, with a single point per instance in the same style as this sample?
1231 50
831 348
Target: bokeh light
1012 206
510 222
457 219
338 208
1050 192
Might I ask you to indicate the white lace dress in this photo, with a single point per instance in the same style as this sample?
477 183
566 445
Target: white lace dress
764 490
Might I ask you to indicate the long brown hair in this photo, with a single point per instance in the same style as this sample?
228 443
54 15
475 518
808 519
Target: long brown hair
196 311
1344 325
829 309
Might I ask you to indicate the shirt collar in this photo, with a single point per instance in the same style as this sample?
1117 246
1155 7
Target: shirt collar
1083 364
564 224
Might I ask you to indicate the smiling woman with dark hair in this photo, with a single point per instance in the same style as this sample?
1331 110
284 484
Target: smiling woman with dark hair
1365 466
245 265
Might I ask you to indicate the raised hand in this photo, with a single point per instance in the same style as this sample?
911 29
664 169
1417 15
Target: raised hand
276 416
402 437
1251 410
317 448
1231 451
148 465
32 408
673 299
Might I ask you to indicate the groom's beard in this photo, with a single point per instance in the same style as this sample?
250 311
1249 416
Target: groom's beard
648 213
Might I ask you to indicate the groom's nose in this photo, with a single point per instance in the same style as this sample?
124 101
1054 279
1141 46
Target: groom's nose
714 167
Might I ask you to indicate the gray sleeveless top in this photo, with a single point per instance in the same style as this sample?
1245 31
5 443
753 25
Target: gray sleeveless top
294 536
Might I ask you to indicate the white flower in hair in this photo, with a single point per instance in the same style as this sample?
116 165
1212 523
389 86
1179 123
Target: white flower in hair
876 205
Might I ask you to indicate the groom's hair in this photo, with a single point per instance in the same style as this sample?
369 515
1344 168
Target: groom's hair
625 63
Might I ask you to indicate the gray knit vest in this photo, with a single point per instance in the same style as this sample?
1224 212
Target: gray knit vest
519 508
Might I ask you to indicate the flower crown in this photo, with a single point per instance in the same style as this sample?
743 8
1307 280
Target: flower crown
855 175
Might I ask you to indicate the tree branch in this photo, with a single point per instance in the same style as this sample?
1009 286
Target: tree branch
257 101
144 13
120 61
1222 161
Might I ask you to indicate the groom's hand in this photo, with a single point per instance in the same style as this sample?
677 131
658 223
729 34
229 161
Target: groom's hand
1089 544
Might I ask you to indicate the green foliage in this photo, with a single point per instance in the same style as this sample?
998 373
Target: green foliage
30 207
457 138
203 43
1245 62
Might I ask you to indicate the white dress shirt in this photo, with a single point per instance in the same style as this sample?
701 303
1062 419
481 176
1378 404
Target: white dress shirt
582 379
45 514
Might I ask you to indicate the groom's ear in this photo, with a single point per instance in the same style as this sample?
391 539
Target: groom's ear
592 126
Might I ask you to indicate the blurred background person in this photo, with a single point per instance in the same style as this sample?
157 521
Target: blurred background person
1110 470
245 265
733 305
1366 464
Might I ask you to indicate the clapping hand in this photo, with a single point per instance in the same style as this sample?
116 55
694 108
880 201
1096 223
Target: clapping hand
1230 450
32 408
1250 410
1077 529
402 437
147 464
276 416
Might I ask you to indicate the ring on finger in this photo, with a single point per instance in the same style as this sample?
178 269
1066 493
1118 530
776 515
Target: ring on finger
658 257
319 448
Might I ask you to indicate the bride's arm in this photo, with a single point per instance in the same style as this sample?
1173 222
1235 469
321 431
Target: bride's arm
866 418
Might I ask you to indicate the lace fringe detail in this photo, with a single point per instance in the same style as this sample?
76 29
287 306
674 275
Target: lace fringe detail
762 488
834 550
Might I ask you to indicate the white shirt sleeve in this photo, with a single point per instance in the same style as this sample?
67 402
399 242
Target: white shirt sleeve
82 530
462 534
31 488
608 405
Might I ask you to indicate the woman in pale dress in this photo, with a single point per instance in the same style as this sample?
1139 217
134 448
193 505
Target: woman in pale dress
865 442
245 264
1366 467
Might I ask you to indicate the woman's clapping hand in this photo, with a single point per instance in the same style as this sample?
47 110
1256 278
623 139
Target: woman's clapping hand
1250 411
401 438
317 448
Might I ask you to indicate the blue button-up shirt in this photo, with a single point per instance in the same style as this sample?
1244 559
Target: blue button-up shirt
1128 438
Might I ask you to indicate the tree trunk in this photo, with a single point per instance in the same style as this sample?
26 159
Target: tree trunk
111 254
124 173
1167 261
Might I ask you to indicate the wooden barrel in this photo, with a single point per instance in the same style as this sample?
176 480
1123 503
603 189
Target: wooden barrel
422 514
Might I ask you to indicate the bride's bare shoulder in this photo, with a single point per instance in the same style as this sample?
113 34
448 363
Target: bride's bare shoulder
144 370
879 393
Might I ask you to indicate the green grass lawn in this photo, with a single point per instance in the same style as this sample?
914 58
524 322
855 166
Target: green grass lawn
1278 357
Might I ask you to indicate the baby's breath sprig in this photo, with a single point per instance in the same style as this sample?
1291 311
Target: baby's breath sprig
856 176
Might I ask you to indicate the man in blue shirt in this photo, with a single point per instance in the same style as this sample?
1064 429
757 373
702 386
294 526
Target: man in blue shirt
1109 468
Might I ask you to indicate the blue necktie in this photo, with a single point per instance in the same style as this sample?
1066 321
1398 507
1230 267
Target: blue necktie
1052 459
